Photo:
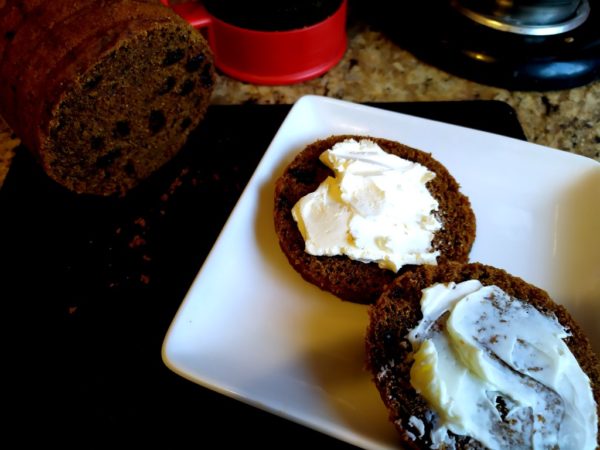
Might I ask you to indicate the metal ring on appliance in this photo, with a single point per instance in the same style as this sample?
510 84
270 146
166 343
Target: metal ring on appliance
581 14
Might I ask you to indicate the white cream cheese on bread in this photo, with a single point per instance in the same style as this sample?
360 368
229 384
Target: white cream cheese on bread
495 368
376 209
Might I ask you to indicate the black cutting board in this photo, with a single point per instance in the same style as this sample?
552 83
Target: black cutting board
90 286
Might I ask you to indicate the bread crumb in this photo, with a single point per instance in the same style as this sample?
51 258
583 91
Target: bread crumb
137 241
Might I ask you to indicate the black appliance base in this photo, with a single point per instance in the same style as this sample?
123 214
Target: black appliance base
438 34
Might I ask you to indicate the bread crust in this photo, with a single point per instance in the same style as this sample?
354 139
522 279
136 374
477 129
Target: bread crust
397 311
353 280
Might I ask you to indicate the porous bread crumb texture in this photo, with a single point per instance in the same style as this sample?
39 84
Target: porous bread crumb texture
397 311
130 125
110 100
353 280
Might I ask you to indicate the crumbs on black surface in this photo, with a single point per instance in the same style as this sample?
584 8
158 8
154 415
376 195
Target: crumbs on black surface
131 247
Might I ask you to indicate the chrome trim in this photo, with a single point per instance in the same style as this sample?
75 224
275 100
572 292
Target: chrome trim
580 16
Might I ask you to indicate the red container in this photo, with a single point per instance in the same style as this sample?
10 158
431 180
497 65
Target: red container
271 57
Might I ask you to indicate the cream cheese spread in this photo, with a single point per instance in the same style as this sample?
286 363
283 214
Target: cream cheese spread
376 209
496 369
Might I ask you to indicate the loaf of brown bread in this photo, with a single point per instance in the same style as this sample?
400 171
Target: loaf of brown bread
390 355
346 278
102 92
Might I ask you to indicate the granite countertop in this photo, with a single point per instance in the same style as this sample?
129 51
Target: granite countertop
374 69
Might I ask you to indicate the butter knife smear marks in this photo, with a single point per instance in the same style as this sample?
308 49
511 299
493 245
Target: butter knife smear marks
496 369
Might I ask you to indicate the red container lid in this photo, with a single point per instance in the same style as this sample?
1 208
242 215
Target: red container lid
271 57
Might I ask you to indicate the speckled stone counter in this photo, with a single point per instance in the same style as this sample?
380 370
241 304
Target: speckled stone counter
375 69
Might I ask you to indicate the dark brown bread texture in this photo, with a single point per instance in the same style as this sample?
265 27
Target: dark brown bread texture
102 92
398 310
353 280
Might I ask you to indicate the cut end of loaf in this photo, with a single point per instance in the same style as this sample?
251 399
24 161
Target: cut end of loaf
131 111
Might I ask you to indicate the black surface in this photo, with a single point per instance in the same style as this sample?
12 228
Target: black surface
272 15
436 33
90 286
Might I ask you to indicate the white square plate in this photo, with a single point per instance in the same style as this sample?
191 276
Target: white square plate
252 329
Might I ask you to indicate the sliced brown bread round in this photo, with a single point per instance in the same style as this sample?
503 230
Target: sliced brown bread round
103 96
353 280
398 310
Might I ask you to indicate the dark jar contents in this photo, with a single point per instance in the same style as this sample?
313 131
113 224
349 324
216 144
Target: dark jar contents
272 15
